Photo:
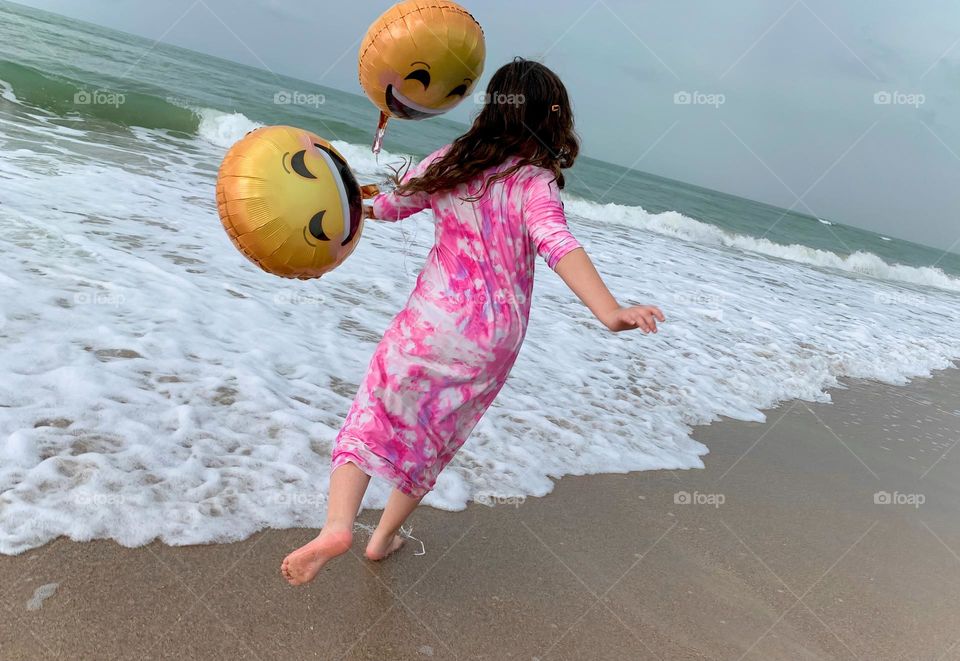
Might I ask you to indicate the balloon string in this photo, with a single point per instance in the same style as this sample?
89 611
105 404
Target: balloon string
381 130
405 246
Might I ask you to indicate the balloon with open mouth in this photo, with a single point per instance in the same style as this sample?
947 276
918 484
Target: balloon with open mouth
289 202
420 59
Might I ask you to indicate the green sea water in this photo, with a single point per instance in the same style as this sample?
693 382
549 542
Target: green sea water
50 62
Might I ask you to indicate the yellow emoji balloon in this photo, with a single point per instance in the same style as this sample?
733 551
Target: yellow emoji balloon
289 202
420 59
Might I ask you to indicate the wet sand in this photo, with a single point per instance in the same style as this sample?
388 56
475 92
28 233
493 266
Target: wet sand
784 547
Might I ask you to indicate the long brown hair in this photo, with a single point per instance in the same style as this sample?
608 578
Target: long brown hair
526 113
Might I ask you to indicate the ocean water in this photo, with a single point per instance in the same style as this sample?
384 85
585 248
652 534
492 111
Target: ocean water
154 384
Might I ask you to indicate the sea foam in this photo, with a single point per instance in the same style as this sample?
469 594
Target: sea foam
6 92
677 225
158 385
224 129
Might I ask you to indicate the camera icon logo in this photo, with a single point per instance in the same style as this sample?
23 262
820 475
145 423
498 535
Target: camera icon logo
882 498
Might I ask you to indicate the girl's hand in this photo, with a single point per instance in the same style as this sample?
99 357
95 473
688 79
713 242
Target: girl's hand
368 212
643 317
581 276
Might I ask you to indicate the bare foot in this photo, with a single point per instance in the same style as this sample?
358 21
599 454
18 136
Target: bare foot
378 550
302 565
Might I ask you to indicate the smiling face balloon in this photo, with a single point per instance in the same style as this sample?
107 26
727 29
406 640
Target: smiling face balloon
421 58
289 202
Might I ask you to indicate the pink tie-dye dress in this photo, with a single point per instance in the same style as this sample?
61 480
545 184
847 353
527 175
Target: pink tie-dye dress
445 356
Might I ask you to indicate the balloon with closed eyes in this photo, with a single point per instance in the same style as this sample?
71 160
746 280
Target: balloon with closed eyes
289 202
420 59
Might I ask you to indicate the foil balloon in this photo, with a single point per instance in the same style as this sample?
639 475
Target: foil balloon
420 59
289 202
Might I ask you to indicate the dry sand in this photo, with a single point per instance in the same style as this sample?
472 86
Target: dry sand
783 552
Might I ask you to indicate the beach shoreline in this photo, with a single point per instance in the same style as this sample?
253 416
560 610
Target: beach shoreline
826 532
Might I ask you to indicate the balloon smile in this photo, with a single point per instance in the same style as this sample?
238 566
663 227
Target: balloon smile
404 108
354 226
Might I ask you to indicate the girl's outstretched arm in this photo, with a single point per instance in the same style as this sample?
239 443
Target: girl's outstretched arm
547 225
577 270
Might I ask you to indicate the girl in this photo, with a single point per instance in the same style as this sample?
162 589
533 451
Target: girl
495 193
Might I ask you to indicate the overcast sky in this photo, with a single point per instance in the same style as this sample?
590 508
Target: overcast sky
799 79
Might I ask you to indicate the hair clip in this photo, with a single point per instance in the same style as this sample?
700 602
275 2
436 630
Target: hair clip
555 107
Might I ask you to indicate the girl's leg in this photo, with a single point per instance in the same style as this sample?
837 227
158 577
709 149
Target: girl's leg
385 539
347 486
